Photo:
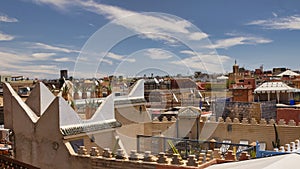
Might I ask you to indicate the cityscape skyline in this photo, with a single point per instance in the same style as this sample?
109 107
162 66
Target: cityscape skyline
40 37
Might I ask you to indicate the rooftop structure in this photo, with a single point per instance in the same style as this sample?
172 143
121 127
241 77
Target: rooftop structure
278 91
57 137
288 73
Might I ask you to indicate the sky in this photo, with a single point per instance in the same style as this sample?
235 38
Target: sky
96 38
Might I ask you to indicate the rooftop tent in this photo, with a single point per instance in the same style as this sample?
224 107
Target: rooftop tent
274 87
288 73
222 77
274 91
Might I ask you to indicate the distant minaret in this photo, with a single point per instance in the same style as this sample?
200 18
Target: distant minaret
262 68
235 67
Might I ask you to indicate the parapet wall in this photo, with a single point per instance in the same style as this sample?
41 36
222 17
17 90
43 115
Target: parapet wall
240 110
289 113
106 159
251 131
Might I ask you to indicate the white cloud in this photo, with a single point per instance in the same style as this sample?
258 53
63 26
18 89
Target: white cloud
92 25
207 62
274 14
289 23
47 56
131 60
188 52
10 60
239 40
115 56
151 26
43 55
53 48
118 58
27 65
57 3
159 37
63 59
6 37
107 61
5 18
159 54
198 35
48 69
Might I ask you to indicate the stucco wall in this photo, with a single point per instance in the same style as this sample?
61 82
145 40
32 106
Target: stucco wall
251 132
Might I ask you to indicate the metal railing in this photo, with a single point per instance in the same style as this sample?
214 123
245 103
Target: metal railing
185 147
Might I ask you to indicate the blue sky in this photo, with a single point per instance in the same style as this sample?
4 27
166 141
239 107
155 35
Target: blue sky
133 37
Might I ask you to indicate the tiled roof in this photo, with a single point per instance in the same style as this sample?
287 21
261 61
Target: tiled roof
129 101
88 127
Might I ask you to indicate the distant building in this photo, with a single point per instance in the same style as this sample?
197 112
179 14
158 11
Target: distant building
5 78
242 94
289 114
278 91
243 90
238 74
277 71
64 74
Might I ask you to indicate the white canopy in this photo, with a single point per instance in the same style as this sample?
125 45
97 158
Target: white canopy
288 73
272 87
222 77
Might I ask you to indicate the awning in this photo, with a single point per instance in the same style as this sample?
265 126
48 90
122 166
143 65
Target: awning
274 87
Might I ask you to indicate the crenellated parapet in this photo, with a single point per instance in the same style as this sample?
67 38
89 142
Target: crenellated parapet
141 160
253 121
244 121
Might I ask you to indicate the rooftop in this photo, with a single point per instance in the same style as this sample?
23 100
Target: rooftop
274 87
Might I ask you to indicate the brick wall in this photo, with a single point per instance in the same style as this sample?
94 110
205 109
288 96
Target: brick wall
242 95
240 110
268 110
289 114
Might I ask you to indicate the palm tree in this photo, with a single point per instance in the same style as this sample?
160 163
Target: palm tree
65 92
